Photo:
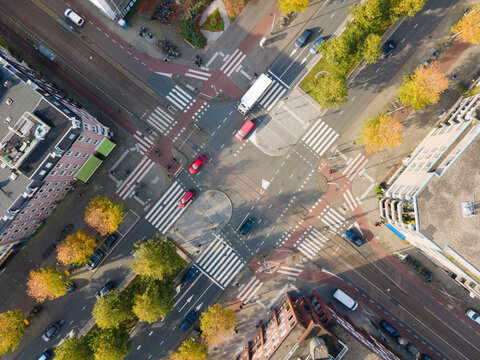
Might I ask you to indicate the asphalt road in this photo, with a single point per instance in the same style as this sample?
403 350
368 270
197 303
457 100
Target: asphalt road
233 168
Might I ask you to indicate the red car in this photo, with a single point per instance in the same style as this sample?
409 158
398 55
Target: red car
186 198
245 130
197 164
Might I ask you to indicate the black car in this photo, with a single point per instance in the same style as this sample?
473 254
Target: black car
51 331
389 47
350 235
389 328
110 241
189 275
109 286
246 226
46 355
94 260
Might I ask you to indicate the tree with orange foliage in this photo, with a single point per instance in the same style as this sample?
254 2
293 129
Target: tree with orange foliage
190 350
47 283
217 324
469 26
380 132
234 7
12 328
103 215
424 86
76 249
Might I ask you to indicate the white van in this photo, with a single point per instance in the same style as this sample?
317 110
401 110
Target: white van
72 15
345 299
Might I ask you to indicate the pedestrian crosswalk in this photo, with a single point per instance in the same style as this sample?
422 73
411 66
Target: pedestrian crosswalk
161 120
273 94
351 200
180 98
320 137
144 143
292 272
128 186
232 62
333 219
249 291
166 211
311 243
355 166
198 74
220 262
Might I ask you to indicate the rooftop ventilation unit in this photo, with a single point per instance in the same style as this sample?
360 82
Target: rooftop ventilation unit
468 209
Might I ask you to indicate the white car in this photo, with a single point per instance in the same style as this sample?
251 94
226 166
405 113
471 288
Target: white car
472 314
72 15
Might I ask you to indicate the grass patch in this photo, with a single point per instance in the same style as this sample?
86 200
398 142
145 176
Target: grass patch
473 91
214 22
322 65
188 26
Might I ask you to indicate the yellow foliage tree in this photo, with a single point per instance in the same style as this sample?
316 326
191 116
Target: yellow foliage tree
47 283
217 324
12 328
103 215
380 132
76 249
469 26
424 87
190 350
293 5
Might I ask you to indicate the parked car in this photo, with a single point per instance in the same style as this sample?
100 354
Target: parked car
314 48
71 288
189 275
110 241
472 314
73 16
94 260
303 38
190 319
245 130
412 349
389 47
246 226
186 198
51 331
109 286
197 164
46 355
389 328
350 235
67 230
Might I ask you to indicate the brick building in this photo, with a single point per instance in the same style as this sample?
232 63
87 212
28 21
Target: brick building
430 201
46 144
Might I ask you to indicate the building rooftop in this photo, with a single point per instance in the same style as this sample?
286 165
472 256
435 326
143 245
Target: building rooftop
440 206
30 129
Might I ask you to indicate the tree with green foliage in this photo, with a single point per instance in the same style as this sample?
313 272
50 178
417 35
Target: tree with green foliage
103 215
217 324
12 328
111 310
330 90
111 344
404 8
336 52
74 349
190 350
293 5
47 283
156 302
424 87
371 48
157 258
370 15
380 132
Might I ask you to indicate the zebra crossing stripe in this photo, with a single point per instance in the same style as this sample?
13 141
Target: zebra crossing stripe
159 119
179 97
333 219
320 137
232 62
250 289
292 271
165 197
228 60
350 199
355 166
144 143
196 74
137 175
312 244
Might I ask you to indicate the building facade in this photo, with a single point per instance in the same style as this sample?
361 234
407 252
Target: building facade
114 9
47 143
430 201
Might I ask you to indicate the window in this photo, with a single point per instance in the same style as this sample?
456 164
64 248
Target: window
39 204
29 206
56 183
58 166
16 231
43 209
86 126
36 197
89 140
80 138
47 184
11 227
68 153
6 233
71 136
71 173
48 203
65 183
42 172
85 156
33 211
62 173
54 195
29 217
48 165
95 142
59 189
76 166
52 207
41 190
53 173
77 154
45 196
50 190
68 166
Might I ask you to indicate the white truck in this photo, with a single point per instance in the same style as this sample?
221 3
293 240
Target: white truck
254 93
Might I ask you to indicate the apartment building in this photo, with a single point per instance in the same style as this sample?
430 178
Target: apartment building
431 200
46 144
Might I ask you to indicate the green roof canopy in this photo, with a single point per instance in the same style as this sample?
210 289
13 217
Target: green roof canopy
88 168
105 147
